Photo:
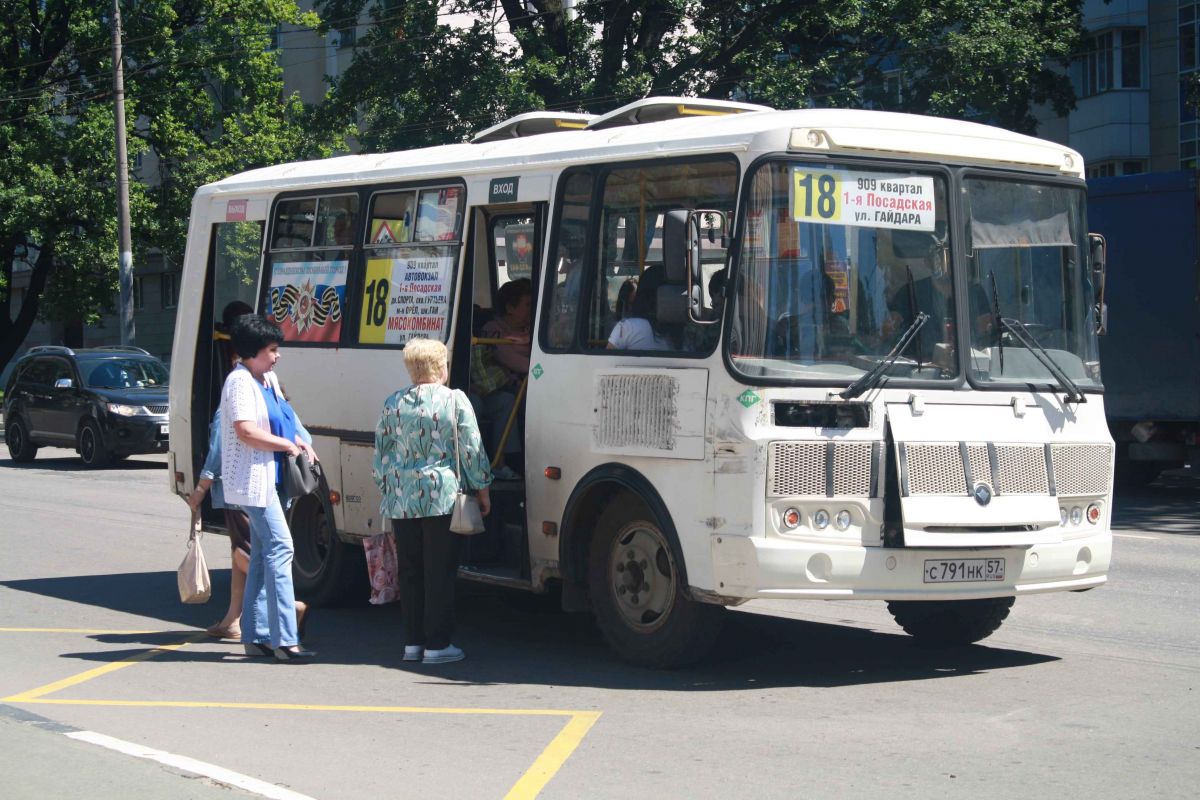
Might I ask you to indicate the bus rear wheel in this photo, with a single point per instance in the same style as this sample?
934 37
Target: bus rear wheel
638 596
949 623
325 570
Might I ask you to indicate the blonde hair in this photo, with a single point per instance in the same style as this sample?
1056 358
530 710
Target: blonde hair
425 359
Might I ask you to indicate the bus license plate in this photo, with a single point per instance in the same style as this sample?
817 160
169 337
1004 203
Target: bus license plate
964 570
162 430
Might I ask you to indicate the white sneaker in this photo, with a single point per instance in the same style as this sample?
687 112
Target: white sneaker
413 652
444 656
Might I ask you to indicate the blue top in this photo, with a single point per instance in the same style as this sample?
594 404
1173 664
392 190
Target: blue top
283 424
212 463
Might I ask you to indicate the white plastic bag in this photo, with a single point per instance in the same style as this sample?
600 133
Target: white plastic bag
194 584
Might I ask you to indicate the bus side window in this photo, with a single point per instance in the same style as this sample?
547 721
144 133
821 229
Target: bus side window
653 314
567 268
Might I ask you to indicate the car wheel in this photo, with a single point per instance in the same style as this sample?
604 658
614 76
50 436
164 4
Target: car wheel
19 447
91 446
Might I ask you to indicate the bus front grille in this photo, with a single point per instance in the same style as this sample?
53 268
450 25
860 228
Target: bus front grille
822 469
953 468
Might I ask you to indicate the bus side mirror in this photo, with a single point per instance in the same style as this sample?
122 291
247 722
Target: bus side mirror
675 245
708 243
1098 258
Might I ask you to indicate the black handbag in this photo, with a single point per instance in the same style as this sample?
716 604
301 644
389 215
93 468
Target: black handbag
301 476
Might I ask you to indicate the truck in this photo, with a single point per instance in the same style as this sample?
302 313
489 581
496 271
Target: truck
1150 353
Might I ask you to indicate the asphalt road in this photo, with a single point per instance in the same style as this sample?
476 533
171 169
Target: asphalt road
1090 695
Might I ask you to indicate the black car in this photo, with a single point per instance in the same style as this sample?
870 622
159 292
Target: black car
106 402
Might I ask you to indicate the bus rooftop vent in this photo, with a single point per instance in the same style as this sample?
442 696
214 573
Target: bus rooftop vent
533 123
657 109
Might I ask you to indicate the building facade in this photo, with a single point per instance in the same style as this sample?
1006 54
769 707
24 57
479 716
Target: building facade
1137 83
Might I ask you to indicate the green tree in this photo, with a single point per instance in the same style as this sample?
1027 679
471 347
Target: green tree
204 100
428 71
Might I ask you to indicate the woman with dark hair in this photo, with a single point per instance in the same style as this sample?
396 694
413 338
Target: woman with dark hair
641 329
257 428
236 522
514 315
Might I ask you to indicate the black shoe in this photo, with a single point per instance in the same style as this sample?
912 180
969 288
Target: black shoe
258 649
293 653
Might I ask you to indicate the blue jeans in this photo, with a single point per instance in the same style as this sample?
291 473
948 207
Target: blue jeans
269 608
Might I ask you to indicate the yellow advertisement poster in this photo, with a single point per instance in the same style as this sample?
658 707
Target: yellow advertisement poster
405 298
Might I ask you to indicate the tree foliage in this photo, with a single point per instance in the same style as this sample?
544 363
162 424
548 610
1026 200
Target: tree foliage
432 71
204 99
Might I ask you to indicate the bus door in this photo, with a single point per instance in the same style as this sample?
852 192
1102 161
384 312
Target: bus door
230 282
490 364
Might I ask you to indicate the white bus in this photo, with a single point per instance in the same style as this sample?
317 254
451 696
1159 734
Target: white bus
874 372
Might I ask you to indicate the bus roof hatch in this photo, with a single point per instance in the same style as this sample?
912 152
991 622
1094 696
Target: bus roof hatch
533 123
658 109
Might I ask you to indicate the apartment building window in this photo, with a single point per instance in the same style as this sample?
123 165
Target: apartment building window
1189 84
139 294
1110 60
169 289
347 37
1109 169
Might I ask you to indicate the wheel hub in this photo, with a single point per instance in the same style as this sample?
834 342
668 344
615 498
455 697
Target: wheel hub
643 578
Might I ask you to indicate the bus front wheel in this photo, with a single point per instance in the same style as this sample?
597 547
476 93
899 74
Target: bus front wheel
947 623
638 596
326 571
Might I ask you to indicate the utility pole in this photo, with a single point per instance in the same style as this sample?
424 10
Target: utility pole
125 248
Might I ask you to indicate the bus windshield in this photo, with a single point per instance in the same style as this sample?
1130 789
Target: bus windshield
836 263
1032 292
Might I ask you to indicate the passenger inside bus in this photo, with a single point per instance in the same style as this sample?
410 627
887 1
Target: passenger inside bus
642 329
498 370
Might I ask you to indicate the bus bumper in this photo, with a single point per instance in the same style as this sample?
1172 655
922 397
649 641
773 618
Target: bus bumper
773 567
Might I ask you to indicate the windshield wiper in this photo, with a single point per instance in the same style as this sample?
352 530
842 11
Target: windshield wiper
1022 335
870 379
996 319
912 309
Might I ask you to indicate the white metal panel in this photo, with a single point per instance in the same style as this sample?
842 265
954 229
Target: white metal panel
360 496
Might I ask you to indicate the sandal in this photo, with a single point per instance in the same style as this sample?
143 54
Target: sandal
219 631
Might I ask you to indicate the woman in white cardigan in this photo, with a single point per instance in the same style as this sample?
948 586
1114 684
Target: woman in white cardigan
250 410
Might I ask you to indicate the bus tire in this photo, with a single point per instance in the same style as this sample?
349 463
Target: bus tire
638 598
325 570
950 623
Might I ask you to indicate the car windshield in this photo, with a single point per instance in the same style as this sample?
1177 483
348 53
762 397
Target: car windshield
1031 293
126 372
836 263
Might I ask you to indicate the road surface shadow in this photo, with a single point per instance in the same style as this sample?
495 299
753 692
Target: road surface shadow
72 463
1166 506
516 638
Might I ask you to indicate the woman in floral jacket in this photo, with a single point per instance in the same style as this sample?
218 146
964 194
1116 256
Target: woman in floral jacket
415 471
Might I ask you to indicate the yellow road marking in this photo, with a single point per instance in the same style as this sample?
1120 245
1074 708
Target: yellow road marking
513 712
530 784
82 677
553 757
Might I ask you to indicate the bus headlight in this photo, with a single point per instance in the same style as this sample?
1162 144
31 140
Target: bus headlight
1093 513
791 518
821 520
842 520
1062 516
1076 515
